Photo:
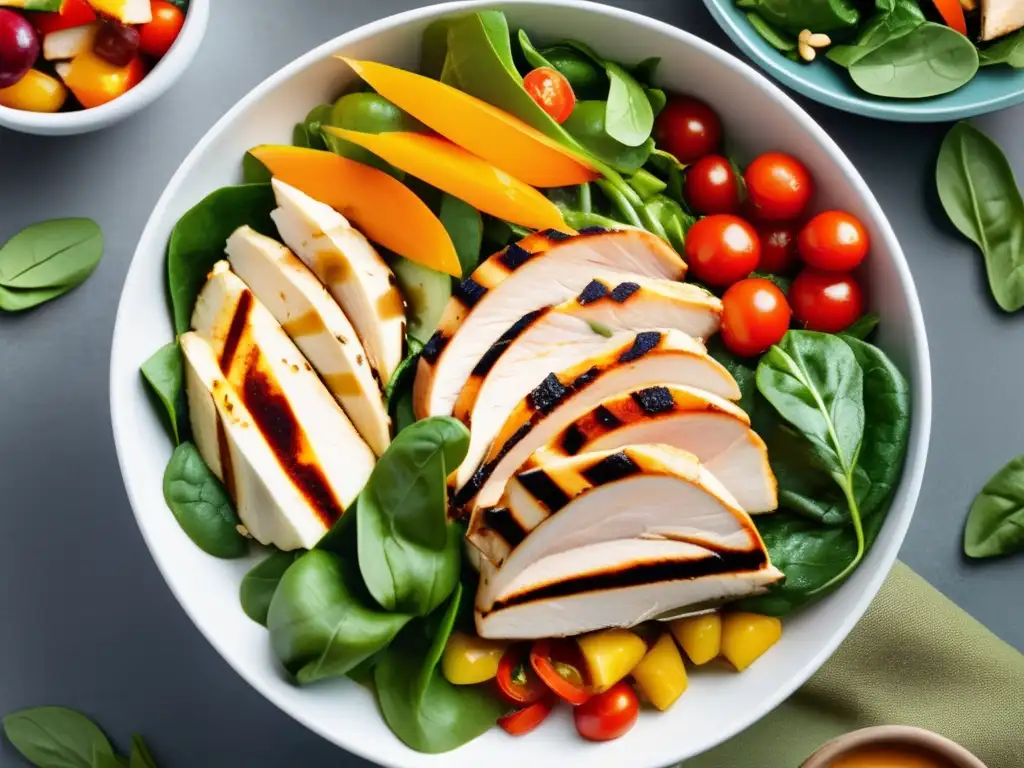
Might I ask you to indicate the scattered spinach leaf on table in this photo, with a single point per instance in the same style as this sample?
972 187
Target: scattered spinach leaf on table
260 583
60 253
164 372
12 300
54 736
995 524
141 757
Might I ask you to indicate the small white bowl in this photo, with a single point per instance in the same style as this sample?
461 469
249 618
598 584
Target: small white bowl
155 84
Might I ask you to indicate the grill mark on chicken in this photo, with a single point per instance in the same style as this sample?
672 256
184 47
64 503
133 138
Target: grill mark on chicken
642 344
610 469
500 520
514 257
435 346
548 394
497 349
476 482
469 292
595 291
572 440
585 378
623 291
654 400
546 491
606 418
594 230
238 324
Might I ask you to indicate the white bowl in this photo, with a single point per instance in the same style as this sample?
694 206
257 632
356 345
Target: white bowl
758 117
153 86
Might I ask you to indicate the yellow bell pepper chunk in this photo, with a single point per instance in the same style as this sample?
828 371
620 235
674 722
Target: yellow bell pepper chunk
610 655
700 636
469 660
661 674
35 92
745 636
95 81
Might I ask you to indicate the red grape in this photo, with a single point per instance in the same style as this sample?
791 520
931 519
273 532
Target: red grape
19 47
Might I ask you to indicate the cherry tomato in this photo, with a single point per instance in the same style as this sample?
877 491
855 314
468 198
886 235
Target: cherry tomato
953 14
722 249
516 679
559 663
608 715
779 186
711 186
755 315
834 240
73 13
549 88
524 720
778 247
159 35
688 128
826 301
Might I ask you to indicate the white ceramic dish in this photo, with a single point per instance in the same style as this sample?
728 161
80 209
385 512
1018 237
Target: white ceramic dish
154 85
758 117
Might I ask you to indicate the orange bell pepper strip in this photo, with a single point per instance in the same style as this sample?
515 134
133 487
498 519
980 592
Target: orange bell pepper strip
380 206
452 169
499 138
953 14
95 82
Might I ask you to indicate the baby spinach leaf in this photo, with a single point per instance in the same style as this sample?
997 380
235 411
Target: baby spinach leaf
779 281
201 505
797 15
55 737
260 583
434 49
533 57
465 226
980 196
409 555
13 300
60 253
253 171
588 80
629 118
197 241
1009 51
405 369
587 126
775 37
423 709
164 372
322 621
646 71
995 525
141 756
657 98
863 327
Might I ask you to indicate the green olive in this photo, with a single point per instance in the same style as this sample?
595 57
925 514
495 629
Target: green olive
367 113
588 80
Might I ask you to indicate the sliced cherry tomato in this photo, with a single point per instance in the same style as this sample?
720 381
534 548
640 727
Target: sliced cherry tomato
712 186
755 315
688 128
826 301
524 720
516 679
779 186
608 715
73 13
953 14
834 240
159 35
778 247
559 663
549 88
722 249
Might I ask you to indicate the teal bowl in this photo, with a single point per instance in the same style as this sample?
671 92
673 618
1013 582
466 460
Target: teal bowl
993 88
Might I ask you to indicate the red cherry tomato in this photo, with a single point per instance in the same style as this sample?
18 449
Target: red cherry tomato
608 715
826 301
711 186
688 128
779 186
552 91
524 720
517 681
722 249
755 315
73 13
834 240
159 35
778 247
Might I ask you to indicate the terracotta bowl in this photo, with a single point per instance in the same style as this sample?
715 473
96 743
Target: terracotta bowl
926 742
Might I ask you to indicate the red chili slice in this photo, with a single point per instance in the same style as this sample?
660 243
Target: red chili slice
517 681
558 663
522 721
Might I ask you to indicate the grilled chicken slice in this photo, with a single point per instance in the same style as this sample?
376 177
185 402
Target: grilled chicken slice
353 271
275 507
1001 17
315 322
638 491
540 271
313 440
618 583
649 359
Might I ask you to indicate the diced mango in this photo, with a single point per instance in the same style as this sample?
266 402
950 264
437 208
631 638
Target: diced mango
745 636
95 81
383 208
661 674
488 132
469 660
125 11
610 655
700 636
35 92
452 169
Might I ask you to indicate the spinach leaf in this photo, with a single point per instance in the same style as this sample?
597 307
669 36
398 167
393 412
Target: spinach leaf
253 171
405 369
465 226
533 57
629 118
260 583
201 505
197 241
322 621
17 301
1009 51
588 80
779 281
60 253
672 221
434 49
903 17
409 555
815 15
863 327
141 756
164 372
587 126
423 709
646 70
101 759
55 737
657 99
775 37
980 196
301 136
995 525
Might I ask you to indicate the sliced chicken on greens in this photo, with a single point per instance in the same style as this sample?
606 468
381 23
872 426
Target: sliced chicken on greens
1000 17
315 322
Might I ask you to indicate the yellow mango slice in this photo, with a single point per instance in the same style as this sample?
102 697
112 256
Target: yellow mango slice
700 636
452 169
383 208
745 636
610 655
501 139
661 674
469 660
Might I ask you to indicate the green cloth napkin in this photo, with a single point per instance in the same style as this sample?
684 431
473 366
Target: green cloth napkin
914 659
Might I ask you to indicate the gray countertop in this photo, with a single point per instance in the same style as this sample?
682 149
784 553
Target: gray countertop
88 622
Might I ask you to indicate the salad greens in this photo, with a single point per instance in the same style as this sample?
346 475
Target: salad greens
261 582
164 372
995 525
